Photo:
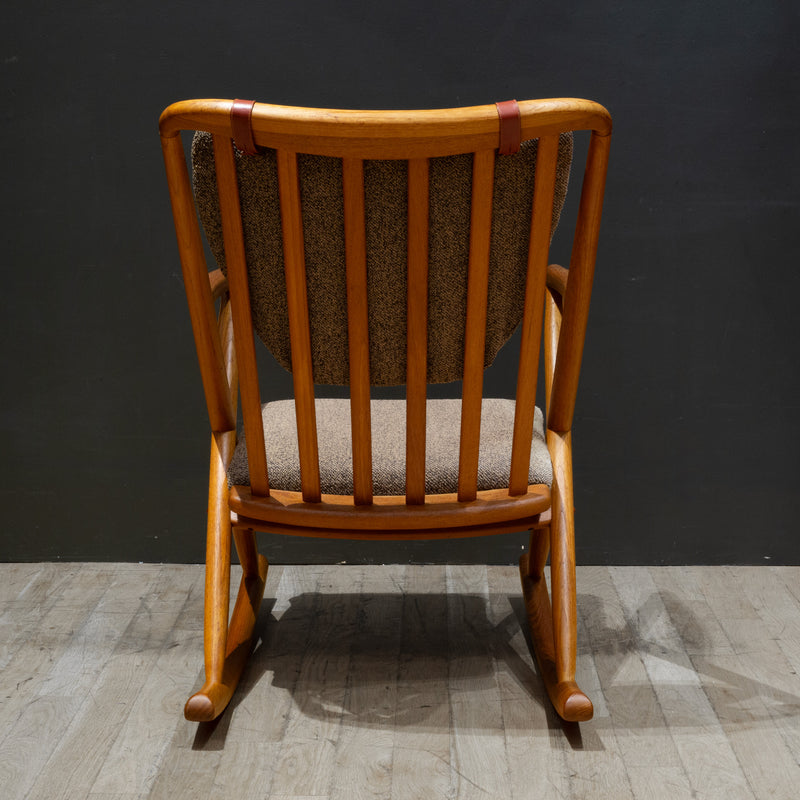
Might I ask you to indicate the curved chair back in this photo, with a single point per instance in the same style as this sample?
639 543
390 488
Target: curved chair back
383 248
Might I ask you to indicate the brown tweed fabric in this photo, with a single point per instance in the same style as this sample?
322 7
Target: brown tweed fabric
388 447
386 217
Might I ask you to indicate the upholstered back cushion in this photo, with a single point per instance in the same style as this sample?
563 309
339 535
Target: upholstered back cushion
385 185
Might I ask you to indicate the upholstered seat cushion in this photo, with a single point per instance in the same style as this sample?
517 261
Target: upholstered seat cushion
388 447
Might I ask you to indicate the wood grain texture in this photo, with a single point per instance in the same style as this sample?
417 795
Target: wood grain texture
475 323
364 752
530 344
417 330
695 690
569 700
478 749
421 761
579 288
307 759
382 134
299 330
389 512
113 754
198 290
357 327
707 764
228 190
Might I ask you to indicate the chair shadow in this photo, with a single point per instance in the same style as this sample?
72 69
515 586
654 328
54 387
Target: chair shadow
418 635
321 641
731 693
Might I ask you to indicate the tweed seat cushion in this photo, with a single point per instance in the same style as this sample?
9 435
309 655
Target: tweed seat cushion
388 447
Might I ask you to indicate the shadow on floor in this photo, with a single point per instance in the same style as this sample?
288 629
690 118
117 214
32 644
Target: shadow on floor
407 654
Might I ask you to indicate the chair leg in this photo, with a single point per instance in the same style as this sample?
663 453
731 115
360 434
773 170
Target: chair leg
226 645
554 628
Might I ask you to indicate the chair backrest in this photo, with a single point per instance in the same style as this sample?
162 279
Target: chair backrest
386 222
452 249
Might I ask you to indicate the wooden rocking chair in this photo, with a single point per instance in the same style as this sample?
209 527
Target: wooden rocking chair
373 248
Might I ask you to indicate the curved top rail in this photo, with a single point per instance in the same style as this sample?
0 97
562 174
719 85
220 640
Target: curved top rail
385 134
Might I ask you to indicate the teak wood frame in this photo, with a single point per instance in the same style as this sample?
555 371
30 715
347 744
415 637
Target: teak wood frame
221 321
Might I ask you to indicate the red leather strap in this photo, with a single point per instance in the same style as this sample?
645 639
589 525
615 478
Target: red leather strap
510 127
242 127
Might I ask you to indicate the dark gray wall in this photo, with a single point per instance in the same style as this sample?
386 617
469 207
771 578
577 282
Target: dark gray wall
687 429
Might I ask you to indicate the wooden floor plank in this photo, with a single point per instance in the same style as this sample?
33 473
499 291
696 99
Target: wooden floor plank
306 763
536 764
634 711
365 745
65 639
31 741
261 707
91 745
16 577
678 689
171 656
400 682
246 769
38 586
755 691
421 746
70 591
479 767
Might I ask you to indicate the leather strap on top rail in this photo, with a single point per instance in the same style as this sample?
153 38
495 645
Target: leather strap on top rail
510 127
242 126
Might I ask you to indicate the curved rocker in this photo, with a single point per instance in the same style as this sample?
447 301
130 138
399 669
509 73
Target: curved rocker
554 627
227 644
570 703
216 692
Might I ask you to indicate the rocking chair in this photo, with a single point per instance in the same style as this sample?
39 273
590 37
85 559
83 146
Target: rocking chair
372 248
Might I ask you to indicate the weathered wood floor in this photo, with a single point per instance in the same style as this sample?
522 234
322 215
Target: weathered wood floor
400 682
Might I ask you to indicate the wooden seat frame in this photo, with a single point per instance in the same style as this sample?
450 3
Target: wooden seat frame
555 298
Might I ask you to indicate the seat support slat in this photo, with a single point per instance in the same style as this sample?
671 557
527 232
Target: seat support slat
228 189
538 251
475 330
299 331
389 512
357 327
417 329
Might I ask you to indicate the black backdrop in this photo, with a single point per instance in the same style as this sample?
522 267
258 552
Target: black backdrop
687 428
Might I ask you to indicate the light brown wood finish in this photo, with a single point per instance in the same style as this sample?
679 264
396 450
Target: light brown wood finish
240 300
538 250
416 136
297 301
218 283
386 134
221 413
417 341
475 323
552 331
579 287
576 706
390 512
358 327
218 566
226 337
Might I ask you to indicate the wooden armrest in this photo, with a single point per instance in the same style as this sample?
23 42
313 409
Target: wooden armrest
557 278
218 283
